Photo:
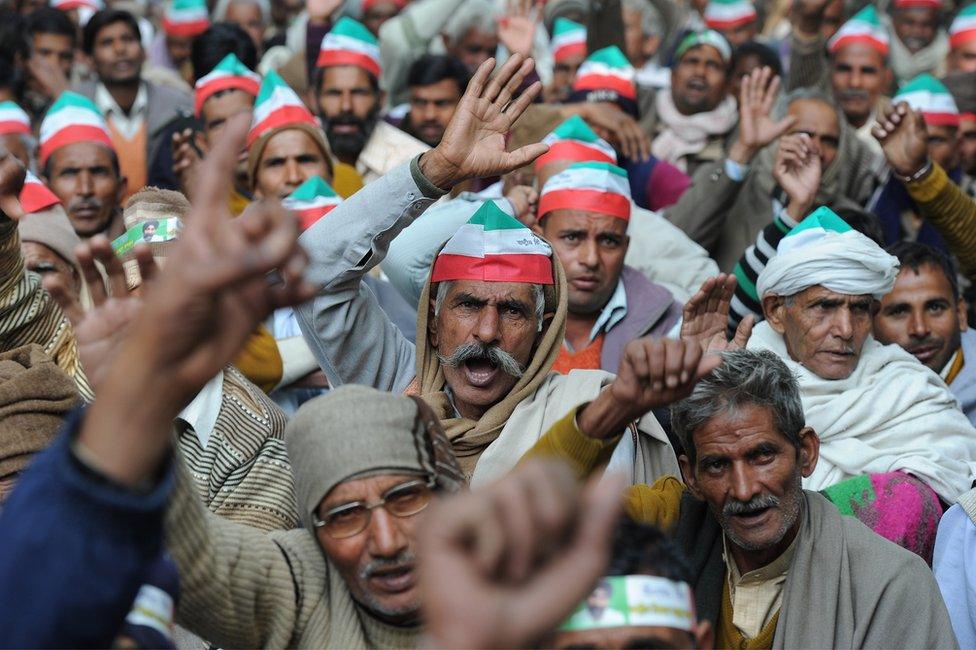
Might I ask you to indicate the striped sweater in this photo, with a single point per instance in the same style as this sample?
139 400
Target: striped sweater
28 314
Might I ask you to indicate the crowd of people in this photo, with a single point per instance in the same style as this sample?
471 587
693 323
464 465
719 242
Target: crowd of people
487 323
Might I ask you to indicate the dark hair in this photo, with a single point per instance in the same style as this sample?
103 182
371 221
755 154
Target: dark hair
914 255
434 68
12 44
644 549
766 55
221 39
866 223
50 21
103 19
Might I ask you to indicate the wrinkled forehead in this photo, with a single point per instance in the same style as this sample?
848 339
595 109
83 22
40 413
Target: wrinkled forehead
814 116
820 293
492 291
368 486
702 52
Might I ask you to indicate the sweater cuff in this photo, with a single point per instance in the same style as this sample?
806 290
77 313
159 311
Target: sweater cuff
927 188
427 188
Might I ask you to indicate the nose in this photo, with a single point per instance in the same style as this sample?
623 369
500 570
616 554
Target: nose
385 537
86 185
346 102
744 485
918 326
587 254
430 112
856 79
293 173
486 330
843 324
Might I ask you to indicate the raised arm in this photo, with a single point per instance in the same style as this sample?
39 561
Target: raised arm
808 59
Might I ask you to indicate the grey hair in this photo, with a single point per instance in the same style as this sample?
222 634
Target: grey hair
786 100
443 288
652 24
482 15
756 377
220 10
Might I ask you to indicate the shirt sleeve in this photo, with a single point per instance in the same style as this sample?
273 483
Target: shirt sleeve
953 213
565 441
657 504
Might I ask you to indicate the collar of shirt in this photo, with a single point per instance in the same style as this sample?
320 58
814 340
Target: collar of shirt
613 312
952 367
200 415
127 124
756 595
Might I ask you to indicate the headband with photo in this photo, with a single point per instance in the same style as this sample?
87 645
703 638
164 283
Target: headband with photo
637 600
151 231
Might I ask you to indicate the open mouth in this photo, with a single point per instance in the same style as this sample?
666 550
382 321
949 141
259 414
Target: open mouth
479 372
753 517
395 579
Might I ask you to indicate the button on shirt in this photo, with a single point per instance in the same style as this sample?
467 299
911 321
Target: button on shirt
757 595
127 125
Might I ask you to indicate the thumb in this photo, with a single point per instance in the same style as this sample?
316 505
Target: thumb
783 125
524 155
744 331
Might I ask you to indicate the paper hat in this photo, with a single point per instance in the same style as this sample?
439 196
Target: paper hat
963 28
186 17
13 119
726 14
494 247
568 39
574 140
863 27
924 4
276 106
68 5
350 43
638 600
927 94
312 200
229 73
590 186
72 118
607 69
369 4
35 196
704 37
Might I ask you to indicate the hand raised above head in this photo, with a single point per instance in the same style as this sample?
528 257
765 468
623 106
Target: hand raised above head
756 126
903 137
706 316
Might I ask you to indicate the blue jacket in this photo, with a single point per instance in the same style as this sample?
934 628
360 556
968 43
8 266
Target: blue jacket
74 550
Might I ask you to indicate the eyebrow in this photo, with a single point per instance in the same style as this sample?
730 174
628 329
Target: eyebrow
512 303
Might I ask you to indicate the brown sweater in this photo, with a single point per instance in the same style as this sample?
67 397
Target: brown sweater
953 214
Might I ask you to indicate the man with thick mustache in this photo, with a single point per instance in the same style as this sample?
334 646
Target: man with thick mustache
492 313
772 564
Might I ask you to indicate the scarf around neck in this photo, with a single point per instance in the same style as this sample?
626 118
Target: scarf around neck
685 135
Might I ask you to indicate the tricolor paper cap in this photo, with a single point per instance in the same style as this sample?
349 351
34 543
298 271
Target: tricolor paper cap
568 39
925 4
186 17
229 73
704 37
494 246
574 140
312 200
726 14
607 69
863 27
72 118
369 4
589 186
13 119
963 28
68 5
927 94
350 43
35 196
277 106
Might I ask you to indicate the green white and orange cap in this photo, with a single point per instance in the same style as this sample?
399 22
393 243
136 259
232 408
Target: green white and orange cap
726 14
229 74
494 246
568 39
312 200
638 600
607 69
863 27
13 119
928 95
350 43
186 18
708 37
597 187
963 28
35 195
277 106
68 5
574 140
72 118
924 4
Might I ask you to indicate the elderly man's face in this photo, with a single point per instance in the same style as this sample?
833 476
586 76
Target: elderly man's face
638 46
45 262
591 248
859 75
916 27
83 176
819 121
824 331
378 564
967 144
699 81
290 158
922 316
488 315
962 58
248 16
942 145
16 146
473 48
750 476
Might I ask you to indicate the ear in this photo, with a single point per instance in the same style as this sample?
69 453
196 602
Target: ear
688 475
432 322
809 451
962 308
704 635
773 307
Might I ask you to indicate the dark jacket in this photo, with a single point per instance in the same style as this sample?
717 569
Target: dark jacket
651 310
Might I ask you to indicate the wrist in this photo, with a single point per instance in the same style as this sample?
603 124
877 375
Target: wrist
604 417
798 209
915 172
441 173
741 153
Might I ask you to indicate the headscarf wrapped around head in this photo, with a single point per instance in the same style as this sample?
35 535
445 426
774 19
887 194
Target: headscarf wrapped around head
823 250
356 432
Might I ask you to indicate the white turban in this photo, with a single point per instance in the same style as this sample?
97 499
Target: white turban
823 250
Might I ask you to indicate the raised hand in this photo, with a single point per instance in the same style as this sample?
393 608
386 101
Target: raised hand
321 11
618 128
797 170
502 566
756 128
473 145
12 174
706 317
903 137
186 158
516 29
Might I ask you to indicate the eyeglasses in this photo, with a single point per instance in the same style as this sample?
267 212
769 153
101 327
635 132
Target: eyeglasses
403 500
